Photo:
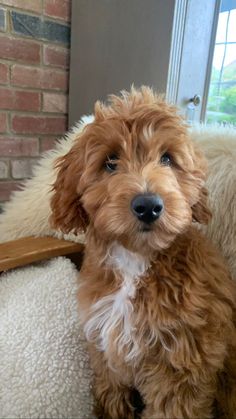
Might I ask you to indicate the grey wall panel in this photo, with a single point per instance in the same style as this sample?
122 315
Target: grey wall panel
116 43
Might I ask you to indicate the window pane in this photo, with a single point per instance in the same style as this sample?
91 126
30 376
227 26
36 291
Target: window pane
221 33
232 26
221 106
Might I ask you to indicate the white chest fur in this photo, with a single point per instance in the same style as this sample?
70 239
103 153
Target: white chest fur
114 311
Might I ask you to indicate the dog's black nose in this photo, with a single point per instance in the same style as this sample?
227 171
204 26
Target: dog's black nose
147 207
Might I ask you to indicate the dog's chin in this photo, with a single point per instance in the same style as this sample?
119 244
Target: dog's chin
146 241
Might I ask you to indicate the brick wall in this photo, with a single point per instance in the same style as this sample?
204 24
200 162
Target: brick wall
34 58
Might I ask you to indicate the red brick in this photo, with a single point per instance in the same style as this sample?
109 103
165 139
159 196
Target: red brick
53 102
3 73
55 56
32 5
6 188
19 49
22 168
38 125
58 9
14 146
3 122
19 100
47 143
39 78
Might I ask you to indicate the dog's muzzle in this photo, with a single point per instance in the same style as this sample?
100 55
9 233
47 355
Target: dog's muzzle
147 207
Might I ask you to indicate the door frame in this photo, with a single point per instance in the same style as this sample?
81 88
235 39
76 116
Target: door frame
176 50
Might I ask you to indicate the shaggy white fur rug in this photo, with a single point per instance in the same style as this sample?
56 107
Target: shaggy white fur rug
219 147
44 370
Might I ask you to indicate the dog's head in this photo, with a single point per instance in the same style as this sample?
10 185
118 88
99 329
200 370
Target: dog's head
133 175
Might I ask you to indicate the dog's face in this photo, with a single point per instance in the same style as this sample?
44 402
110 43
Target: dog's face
133 175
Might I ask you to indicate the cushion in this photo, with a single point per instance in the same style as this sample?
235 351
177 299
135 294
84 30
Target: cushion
44 369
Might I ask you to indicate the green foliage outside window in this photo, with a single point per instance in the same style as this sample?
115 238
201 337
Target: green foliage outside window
222 96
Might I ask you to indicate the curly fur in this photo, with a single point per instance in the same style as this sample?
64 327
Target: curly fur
157 306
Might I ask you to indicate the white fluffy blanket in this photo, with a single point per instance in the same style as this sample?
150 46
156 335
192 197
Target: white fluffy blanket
44 370
219 146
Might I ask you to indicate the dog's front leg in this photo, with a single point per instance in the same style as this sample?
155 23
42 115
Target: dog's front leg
112 397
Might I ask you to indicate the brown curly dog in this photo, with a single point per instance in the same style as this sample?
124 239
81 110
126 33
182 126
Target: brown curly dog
155 298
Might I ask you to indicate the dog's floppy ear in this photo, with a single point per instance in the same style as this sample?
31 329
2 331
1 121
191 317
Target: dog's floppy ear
68 213
200 211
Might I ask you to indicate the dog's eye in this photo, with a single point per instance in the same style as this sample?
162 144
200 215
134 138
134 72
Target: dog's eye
166 159
111 163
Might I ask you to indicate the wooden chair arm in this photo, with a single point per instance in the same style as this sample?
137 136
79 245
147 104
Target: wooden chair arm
33 249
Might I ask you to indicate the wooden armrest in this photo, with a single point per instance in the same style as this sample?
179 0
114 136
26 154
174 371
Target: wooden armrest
32 249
